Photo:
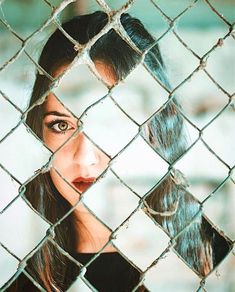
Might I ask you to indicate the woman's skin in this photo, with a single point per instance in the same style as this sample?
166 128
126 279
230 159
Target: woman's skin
79 162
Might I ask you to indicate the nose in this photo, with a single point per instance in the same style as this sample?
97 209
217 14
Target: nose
85 153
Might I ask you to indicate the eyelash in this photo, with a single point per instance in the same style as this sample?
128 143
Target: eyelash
56 122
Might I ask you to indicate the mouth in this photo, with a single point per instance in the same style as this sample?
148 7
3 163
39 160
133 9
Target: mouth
82 184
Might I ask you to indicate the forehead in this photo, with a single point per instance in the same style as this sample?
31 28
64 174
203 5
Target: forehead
105 71
53 104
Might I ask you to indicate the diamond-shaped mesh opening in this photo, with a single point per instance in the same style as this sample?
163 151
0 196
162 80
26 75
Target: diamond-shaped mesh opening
136 245
223 51
160 277
12 11
204 103
16 222
191 167
116 161
10 116
19 73
182 62
140 100
152 19
31 154
217 28
110 191
8 38
73 92
104 122
9 189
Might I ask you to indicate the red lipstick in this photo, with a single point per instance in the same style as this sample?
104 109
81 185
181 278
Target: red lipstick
83 183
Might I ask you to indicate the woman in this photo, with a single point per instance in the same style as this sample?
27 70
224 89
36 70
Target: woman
80 234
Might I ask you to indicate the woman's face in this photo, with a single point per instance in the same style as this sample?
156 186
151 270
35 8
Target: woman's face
78 161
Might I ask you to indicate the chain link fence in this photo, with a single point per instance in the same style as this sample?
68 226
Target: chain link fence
127 184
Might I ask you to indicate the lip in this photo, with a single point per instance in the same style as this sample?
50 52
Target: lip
83 183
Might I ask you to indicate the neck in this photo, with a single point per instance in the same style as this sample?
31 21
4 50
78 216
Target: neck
92 234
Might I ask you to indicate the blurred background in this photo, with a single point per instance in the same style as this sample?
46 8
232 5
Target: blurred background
203 96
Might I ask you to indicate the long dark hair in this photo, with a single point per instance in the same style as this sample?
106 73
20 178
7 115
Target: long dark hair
169 204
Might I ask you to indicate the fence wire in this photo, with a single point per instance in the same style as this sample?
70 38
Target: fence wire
142 207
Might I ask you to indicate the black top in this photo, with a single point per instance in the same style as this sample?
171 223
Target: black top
109 272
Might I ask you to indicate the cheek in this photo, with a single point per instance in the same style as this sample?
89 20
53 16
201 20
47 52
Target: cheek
47 139
62 159
104 161
64 188
52 140
63 162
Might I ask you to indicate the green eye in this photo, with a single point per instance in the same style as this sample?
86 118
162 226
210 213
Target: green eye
63 126
60 126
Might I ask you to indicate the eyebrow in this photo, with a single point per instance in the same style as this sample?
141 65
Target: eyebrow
55 113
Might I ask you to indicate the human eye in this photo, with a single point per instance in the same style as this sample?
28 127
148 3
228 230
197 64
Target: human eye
60 126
